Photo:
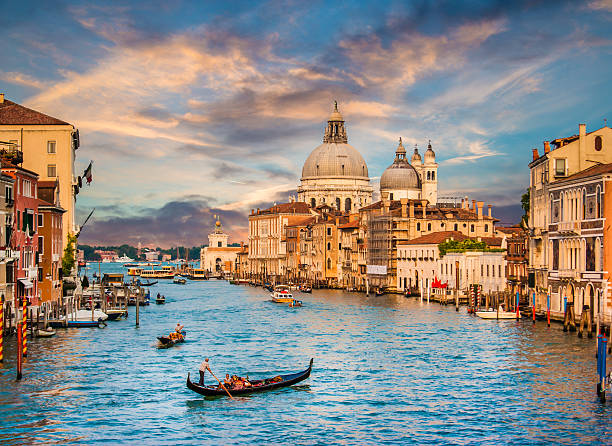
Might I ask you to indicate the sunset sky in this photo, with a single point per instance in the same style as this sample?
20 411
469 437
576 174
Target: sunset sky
191 109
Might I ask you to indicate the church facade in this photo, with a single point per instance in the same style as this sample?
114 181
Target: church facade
217 257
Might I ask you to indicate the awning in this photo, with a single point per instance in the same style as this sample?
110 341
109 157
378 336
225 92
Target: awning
26 283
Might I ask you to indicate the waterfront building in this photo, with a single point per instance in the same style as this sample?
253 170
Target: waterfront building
389 222
50 241
24 231
335 173
297 261
107 256
217 257
413 180
352 272
151 255
45 145
8 255
578 240
242 262
562 158
267 239
517 259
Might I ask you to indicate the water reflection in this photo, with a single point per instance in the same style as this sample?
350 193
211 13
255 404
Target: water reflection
387 369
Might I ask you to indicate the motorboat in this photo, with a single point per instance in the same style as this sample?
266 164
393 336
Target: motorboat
114 314
124 258
281 294
179 281
82 318
498 314
42 333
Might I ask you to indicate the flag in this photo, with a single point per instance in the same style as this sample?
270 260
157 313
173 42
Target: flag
87 173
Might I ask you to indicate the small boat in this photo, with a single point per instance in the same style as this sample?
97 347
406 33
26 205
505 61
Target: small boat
494 314
160 300
171 339
124 258
281 294
148 283
81 318
379 292
256 386
179 281
295 303
41 333
305 289
114 314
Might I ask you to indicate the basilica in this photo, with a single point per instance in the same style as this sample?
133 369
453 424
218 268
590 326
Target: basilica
335 173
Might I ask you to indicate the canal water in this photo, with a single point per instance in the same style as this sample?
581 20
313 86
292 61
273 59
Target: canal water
387 370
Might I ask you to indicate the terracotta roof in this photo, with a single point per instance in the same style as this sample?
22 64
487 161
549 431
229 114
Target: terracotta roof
10 166
435 238
591 171
512 230
304 221
16 114
492 241
349 225
296 207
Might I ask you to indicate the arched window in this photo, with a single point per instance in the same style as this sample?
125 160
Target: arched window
456 227
429 226
433 176
338 203
328 263
329 246
584 204
598 203
562 197
428 175
348 205
313 203
391 196
486 228
418 226
598 143
472 228
601 204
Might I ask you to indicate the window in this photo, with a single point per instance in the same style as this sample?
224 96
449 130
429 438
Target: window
433 176
338 203
418 226
8 194
26 188
50 146
51 170
348 205
429 226
313 203
329 246
391 196
328 231
456 227
41 245
598 143
40 220
486 228
472 228
560 167
329 265
499 271
428 175
219 244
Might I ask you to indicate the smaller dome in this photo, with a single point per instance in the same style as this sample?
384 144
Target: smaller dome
416 157
400 175
430 155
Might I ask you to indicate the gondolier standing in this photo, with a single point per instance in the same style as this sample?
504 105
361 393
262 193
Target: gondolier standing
203 368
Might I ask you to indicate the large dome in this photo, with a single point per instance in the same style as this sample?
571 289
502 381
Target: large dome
400 175
335 160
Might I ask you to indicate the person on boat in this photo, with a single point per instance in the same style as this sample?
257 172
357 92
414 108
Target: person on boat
227 381
158 295
179 328
203 368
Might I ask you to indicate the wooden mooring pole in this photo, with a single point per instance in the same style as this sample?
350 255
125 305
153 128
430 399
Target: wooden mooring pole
19 351
601 367
138 309
24 327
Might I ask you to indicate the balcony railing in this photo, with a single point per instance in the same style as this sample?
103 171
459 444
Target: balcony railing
12 153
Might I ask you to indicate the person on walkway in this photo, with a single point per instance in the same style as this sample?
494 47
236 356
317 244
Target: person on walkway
203 368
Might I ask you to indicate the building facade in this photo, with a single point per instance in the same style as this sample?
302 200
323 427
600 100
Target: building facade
48 146
217 257
8 254
50 245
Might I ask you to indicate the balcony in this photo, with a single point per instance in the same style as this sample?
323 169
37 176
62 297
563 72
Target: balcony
569 228
11 153
569 274
55 258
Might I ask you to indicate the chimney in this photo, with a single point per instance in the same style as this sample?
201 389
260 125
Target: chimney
480 204
252 211
466 202
424 204
1 98
474 205
582 130
490 213
535 154
411 209
404 203
546 147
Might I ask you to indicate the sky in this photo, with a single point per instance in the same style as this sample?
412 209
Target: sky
194 109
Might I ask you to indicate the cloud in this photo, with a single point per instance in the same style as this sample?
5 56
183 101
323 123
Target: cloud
26 80
599 5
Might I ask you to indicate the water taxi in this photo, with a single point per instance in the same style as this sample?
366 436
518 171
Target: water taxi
112 279
281 294
156 274
134 271
197 274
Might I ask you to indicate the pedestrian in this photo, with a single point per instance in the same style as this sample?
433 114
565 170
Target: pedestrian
203 368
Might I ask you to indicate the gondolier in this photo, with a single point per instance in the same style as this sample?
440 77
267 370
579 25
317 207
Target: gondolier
203 368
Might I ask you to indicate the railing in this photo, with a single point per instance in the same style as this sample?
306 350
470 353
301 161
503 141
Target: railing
13 154
569 226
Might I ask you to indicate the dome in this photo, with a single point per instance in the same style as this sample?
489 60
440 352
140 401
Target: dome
335 160
400 175
335 157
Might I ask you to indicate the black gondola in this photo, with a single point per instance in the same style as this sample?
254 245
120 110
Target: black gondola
169 341
256 386
147 283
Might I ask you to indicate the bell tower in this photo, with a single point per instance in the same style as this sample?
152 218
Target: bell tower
429 176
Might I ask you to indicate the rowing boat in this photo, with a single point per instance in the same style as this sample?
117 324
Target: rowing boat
171 339
256 386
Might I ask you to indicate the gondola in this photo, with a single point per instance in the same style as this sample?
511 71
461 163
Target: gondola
147 283
257 386
160 300
169 341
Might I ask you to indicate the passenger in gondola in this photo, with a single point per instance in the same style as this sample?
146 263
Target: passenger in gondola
227 381
158 295
179 328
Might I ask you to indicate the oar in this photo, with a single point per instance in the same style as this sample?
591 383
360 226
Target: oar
221 384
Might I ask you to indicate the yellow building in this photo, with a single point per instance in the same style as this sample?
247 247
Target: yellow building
47 146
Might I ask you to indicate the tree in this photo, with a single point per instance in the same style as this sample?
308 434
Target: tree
69 259
525 200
